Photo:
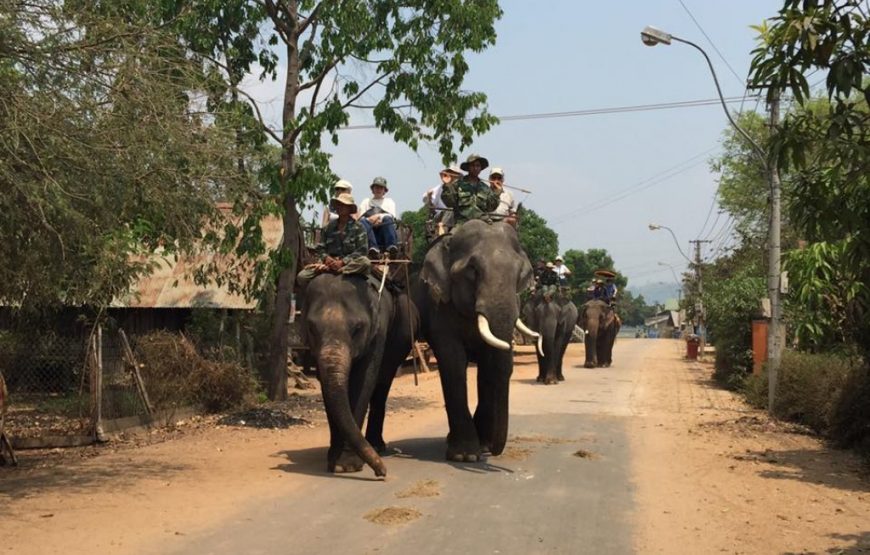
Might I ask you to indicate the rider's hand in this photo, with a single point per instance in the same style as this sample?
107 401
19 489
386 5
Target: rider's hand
374 219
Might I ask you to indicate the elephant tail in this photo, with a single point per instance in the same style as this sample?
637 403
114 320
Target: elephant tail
334 365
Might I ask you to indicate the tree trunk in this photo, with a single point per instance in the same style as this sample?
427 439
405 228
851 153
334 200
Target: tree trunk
290 244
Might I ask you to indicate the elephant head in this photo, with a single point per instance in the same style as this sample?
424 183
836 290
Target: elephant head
346 326
480 274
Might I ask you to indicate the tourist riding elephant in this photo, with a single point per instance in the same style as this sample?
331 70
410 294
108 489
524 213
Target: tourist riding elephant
601 324
358 339
554 320
469 304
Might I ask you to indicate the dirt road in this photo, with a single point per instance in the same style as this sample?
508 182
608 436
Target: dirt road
645 457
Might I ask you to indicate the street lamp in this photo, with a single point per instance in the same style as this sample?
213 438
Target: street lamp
655 227
652 37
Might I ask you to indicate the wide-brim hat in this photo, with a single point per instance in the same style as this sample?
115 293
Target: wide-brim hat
550 265
380 181
452 169
484 163
560 259
345 199
343 184
607 274
496 171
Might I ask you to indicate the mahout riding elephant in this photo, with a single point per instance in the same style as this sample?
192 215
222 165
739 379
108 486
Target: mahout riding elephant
601 325
358 339
468 297
554 319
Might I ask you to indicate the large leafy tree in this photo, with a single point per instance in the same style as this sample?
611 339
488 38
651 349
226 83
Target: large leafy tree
103 153
403 62
536 237
826 150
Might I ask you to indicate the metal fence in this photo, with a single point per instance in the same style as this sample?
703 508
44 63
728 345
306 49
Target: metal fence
62 386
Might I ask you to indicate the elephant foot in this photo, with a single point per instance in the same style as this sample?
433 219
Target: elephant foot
606 365
465 451
539 379
560 377
379 445
590 365
551 380
347 462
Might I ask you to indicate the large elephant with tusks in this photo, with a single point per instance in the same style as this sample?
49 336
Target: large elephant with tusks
358 338
469 305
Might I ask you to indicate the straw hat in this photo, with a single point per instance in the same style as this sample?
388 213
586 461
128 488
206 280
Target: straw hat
343 198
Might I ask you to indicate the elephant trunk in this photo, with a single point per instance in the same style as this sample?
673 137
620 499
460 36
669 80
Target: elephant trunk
334 363
591 343
500 404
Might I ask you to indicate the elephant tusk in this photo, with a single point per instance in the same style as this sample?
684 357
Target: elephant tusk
487 335
540 345
526 329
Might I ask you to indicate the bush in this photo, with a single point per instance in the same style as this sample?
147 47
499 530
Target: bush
731 305
826 392
176 374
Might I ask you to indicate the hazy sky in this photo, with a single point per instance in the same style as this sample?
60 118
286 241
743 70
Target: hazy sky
598 180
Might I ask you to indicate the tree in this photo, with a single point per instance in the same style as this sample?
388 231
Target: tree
103 154
825 150
536 237
634 310
402 61
416 220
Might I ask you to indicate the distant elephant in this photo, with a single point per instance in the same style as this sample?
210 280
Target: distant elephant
554 320
468 297
358 339
601 324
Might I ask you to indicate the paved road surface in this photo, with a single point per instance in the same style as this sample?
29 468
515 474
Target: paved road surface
539 497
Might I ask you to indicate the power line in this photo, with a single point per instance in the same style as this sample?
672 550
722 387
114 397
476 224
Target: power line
664 175
703 32
709 212
599 111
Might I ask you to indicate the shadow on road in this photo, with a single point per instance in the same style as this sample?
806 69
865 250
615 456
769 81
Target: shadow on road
861 544
826 467
312 461
21 482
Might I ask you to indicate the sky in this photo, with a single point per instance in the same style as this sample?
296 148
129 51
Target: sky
598 180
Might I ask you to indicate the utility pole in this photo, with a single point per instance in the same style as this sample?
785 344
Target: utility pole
702 319
774 352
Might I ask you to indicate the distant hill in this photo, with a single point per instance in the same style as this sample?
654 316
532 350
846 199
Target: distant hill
658 292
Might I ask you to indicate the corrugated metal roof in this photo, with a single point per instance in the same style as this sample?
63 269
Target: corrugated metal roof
171 285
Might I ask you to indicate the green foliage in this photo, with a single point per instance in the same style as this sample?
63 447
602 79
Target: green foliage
103 154
536 237
825 148
583 265
416 219
733 289
822 297
634 310
829 393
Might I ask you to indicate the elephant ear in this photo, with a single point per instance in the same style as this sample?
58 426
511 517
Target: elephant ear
436 272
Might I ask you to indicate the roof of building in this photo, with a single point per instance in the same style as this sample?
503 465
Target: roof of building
171 283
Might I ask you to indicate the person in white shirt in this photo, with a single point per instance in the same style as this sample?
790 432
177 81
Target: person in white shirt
562 270
378 214
507 206
439 215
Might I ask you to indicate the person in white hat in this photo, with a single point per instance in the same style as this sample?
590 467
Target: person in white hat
341 186
507 206
562 270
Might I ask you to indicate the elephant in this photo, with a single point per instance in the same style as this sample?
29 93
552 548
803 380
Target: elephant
358 338
554 320
601 324
468 297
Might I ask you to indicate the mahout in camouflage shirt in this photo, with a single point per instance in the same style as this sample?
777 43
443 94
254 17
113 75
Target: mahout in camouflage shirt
468 200
346 245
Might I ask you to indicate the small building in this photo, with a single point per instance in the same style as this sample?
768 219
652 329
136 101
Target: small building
665 324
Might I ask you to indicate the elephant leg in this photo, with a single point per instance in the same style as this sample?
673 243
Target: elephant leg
462 440
563 346
484 414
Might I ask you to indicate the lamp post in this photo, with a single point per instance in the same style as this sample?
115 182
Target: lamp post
651 37
655 227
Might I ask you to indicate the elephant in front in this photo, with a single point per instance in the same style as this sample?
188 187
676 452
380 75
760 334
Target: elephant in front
601 324
468 297
554 319
358 338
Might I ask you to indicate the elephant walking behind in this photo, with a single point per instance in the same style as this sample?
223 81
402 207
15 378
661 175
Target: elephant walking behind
554 320
601 324
358 339
469 304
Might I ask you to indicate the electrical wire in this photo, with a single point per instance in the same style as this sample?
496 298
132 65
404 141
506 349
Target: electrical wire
713 44
598 111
